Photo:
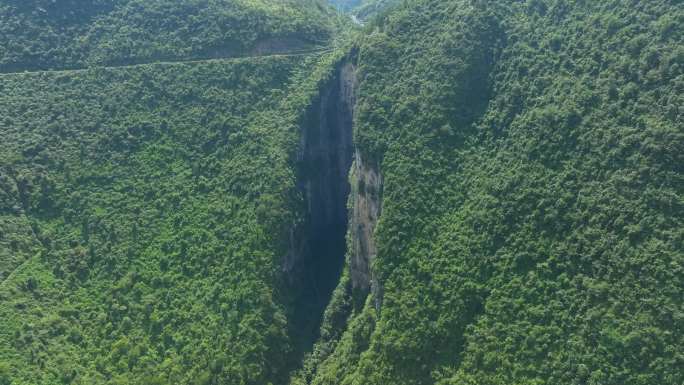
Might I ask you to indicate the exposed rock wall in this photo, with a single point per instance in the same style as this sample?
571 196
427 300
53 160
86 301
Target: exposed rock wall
342 192
323 163
326 153
318 244
365 212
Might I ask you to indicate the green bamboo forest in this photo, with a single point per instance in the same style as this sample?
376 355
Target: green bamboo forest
343 192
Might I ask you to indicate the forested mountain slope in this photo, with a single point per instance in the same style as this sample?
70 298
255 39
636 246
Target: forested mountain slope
149 257
532 220
144 210
42 34
514 195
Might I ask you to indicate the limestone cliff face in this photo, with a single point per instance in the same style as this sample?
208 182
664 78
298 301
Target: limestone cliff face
323 162
364 206
341 192
318 243
326 155
365 212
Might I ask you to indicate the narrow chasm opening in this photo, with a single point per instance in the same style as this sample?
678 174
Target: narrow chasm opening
325 159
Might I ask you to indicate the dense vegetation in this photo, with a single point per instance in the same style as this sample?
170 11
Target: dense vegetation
155 200
532 226
41 34
144 212
532 221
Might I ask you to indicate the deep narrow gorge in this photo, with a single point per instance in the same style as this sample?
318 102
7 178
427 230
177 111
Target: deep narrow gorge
319 246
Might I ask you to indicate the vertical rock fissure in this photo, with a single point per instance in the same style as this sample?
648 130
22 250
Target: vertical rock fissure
365 213
324 161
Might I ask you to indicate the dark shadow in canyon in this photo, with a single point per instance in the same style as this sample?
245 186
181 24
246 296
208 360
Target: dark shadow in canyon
324 160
